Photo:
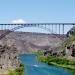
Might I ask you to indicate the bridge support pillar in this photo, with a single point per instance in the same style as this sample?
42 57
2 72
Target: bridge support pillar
63 29
59 28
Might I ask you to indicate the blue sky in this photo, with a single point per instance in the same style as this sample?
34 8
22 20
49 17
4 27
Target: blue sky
37 10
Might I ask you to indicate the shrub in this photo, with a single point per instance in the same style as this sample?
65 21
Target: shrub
17 71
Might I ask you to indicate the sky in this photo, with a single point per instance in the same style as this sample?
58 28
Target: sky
29 11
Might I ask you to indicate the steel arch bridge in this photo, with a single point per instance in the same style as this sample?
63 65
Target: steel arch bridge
53 28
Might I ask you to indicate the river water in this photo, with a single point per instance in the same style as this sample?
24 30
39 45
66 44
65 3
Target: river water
34 67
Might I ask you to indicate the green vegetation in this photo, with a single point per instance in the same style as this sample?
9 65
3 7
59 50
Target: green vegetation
67 42
57 61
17 71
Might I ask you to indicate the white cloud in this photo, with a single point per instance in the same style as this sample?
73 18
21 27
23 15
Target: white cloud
19 21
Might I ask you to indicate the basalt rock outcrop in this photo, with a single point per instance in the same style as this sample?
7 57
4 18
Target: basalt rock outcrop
54 53
71 32
8 57
70 50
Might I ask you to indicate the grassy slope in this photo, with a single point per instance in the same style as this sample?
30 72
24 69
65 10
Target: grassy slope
67 42
18 71
57 61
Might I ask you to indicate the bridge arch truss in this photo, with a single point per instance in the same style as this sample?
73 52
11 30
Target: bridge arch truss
53 28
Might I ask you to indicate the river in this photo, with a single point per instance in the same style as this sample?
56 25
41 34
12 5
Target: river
35 67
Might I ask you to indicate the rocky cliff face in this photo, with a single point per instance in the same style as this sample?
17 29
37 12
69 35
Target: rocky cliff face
70 50
26 42
71 32
8 57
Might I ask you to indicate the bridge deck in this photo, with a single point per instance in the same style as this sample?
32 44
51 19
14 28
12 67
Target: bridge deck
40 24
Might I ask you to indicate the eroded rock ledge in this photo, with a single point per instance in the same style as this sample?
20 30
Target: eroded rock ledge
8 57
